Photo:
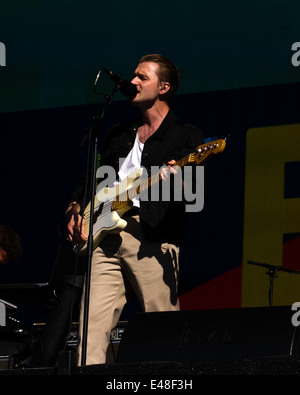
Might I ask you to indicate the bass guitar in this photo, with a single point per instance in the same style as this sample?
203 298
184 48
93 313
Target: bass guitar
110 204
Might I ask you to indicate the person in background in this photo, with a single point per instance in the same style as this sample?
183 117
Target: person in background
10 246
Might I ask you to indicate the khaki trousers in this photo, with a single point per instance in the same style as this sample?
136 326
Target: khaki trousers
124 264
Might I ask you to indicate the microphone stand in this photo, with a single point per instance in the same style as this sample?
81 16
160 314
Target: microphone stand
272 270
94 131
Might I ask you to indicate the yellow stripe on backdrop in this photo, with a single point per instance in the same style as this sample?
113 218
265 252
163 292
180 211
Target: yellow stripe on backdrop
268 214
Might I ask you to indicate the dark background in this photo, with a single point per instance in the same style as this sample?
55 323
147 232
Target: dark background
235 62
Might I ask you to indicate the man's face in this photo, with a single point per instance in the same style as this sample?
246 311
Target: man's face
147 84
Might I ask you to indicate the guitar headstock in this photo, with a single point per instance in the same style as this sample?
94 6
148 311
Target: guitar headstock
205 150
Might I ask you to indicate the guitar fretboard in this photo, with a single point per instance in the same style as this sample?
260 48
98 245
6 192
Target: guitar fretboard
198 156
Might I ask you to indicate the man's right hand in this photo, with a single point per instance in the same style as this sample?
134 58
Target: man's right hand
75 224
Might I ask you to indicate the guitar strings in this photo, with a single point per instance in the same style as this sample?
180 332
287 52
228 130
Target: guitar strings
131 192
123 197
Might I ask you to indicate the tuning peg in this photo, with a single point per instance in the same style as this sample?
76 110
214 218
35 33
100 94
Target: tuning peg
226 136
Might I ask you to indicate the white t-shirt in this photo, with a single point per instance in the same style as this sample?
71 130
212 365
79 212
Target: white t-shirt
132 162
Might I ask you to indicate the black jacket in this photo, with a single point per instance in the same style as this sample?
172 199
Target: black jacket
163 220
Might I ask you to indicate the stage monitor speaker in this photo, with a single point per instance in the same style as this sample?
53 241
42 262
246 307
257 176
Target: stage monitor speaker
206 335
114 342
6 362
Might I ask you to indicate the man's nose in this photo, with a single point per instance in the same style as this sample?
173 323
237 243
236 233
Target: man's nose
134 80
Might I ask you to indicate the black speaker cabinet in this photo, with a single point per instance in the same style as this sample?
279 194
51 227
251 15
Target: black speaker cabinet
6 362
203 335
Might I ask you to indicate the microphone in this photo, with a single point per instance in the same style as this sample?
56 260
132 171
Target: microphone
126 87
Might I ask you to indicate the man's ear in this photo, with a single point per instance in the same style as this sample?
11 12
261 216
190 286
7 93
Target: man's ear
165 86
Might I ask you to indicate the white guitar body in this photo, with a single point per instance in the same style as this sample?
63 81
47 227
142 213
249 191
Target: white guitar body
106 220
111 203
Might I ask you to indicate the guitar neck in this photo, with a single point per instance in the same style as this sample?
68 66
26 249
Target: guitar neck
132 192
199 156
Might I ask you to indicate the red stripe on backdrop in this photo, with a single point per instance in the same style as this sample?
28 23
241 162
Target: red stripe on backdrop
291 254
222 292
